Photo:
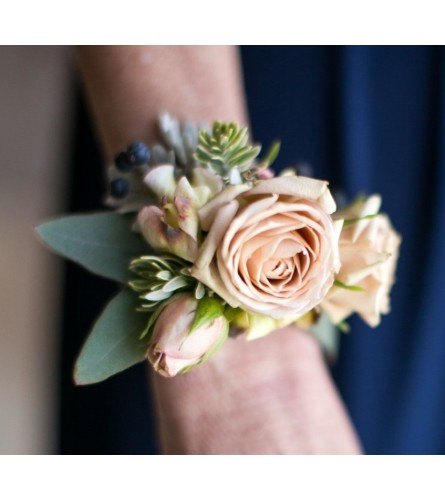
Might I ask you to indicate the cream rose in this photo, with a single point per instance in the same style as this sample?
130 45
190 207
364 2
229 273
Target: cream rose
272 248
369 250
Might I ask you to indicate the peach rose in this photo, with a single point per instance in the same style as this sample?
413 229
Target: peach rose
369 250
272 248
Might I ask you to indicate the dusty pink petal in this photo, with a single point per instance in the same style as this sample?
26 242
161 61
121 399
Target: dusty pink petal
162 237
186 205
169 366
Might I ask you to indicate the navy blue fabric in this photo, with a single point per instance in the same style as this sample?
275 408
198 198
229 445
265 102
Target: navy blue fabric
371 119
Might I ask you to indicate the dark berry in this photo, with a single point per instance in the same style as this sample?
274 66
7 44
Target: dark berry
122 162
119 188
138 153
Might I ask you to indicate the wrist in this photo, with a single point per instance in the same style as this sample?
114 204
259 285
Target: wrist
239 398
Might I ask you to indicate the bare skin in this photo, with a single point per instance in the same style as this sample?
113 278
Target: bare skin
270 396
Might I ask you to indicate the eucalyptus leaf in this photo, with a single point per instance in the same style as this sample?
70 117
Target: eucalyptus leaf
113 344
328 335
101 242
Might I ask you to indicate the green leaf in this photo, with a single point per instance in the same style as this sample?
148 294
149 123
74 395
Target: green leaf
232 313
349 222
343 327
328 336
113 345
208 310
272 153
101 242
351 288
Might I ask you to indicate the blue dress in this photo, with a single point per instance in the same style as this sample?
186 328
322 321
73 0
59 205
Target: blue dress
372 119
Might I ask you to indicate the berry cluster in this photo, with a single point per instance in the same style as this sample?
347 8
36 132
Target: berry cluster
135 155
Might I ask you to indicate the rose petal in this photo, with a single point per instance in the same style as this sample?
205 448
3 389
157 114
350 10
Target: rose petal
161 180
305 188
162 237
208 212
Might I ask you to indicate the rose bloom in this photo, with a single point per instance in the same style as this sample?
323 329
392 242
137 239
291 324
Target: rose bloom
369 250
272 248
173 348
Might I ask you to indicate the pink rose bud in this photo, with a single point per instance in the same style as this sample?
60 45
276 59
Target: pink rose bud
173 347
265 173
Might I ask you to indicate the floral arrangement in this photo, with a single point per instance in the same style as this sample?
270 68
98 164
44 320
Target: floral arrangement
208 243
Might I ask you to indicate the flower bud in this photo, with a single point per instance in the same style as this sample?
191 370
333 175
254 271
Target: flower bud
174 346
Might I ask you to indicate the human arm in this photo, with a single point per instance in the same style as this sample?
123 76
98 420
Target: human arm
273 395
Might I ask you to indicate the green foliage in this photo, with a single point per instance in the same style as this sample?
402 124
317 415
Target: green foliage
113 344
349 222
351 288
225 148
160 278
180 142
208 310
328 336
271 154
101 242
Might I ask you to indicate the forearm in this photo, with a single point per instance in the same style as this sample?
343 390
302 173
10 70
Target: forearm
268 396
129 86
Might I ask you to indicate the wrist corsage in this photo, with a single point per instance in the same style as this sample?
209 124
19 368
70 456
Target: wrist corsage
208 243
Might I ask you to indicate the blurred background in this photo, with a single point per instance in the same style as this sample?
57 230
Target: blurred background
369 119
51 165
36 102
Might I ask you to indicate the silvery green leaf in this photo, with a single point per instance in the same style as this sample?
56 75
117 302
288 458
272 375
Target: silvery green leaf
164 275
101 242
190 138
328 336
175 284
235 176
199 291
159 155
157 295
113 345
171 133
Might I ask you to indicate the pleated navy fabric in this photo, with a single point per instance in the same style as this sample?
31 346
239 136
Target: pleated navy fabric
372 120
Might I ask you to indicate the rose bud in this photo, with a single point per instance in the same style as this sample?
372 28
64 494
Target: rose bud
175 347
